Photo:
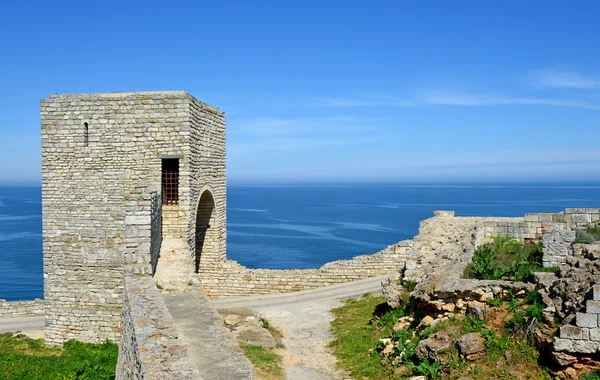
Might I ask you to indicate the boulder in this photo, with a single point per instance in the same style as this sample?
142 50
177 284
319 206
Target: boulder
232 320
471 346
393 290
403 323
563 359
476 309
434 346
255 335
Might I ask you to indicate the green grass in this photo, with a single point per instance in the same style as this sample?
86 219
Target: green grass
505 259
275 333
22 358
355 337
590 376
267 363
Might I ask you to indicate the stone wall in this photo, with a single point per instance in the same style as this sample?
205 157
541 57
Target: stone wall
584 337
207 163
150 347
13 309
231 279
101 163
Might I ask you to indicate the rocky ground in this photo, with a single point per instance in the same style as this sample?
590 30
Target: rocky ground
304 319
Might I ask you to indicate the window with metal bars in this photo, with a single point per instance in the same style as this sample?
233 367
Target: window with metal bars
170 181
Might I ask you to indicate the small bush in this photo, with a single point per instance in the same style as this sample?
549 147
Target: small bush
505 259
584 237
410 285
427 369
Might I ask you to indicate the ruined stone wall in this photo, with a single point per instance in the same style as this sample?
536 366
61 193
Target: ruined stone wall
96 179
150 347
13 309
584 336
231 279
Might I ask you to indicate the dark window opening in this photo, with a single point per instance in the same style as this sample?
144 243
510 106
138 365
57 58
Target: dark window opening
170 181
86 134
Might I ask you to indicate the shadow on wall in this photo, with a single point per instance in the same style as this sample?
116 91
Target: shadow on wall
204 218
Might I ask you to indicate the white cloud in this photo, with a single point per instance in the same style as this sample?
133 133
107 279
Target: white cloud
563 79
462 99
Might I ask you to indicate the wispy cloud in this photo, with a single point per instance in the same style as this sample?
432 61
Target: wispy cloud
369 100
563 79
293 134
285 126
465 99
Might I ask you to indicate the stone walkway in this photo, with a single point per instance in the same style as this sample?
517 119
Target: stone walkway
210 345
304 319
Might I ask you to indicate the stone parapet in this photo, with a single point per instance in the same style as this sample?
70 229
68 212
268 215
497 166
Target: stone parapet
230 279
14 309
150 347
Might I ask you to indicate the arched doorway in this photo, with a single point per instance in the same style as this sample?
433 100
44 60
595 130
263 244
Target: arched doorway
205 228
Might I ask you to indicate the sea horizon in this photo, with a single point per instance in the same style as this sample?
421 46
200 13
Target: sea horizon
298 226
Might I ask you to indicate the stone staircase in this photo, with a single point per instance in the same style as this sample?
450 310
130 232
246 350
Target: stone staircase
211 346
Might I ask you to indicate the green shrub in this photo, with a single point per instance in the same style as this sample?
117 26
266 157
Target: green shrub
584 237
472 324
410 285
505 259
425 368
514 305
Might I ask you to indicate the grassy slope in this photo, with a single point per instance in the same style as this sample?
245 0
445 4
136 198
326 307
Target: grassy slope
22 358
507 357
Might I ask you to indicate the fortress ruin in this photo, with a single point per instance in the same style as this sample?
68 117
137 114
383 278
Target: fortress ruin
112 163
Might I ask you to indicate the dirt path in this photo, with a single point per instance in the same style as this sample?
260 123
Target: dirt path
304 319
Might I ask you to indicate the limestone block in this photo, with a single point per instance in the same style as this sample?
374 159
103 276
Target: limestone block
443 213
585 346
592 306
581 218
595 334
595 292
531 218
586 320
563 344
570 332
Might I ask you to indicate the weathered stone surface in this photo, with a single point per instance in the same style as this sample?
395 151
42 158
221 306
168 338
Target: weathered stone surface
434 346
557 244
586 320
392 290
563 344
585 346
563 359
592 306
570 332
471 346
150 345
476 309
13 309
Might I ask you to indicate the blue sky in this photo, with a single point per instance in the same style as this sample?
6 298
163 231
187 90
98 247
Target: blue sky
329 91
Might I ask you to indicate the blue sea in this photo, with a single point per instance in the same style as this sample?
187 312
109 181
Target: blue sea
282 227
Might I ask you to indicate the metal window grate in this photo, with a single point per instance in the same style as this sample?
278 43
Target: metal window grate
170 181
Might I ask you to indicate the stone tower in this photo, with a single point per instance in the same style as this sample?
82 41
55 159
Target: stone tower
121 172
